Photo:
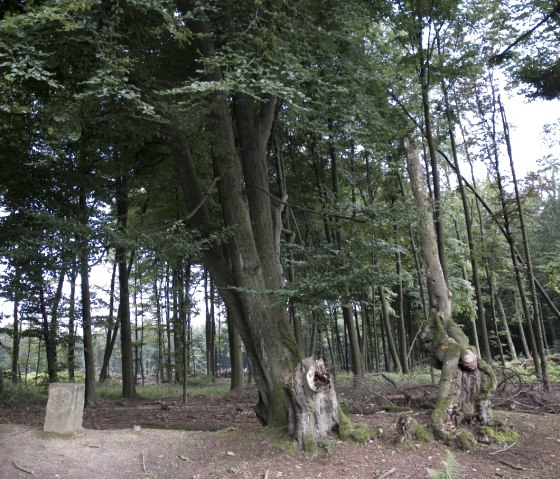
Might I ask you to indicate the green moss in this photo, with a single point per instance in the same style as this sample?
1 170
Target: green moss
278 407
344 425
289 341
361 433
419 432
397 409
500 433
464 439
439 413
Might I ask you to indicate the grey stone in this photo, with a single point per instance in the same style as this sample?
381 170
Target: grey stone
65 408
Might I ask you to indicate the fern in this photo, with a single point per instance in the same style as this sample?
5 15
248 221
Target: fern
451 469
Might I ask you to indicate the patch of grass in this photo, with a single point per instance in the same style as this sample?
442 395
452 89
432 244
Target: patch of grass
327 445
112 388
20 393
208 388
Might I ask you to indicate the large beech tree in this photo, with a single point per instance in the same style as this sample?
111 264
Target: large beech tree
247 268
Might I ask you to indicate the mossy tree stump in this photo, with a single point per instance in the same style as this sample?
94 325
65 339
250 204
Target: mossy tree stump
313 406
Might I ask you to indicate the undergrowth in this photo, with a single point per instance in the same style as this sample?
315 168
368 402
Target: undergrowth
451 469
112 388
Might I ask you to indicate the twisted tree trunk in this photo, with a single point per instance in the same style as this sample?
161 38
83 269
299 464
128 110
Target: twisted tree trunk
466 382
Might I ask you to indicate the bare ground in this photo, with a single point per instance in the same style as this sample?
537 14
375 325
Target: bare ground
221 438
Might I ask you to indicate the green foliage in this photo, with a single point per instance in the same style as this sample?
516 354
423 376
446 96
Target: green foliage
451 469
21 393
328 445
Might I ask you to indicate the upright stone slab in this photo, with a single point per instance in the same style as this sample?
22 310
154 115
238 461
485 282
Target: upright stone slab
65 408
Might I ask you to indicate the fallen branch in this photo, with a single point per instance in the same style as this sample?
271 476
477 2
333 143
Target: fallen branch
144 464
23 469
513 466
388 473
504 449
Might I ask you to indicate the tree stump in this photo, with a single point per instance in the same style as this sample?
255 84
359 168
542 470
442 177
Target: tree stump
313 406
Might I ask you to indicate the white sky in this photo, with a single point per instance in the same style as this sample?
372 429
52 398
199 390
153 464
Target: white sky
527 120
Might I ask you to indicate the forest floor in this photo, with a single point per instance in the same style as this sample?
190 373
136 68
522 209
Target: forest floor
219 437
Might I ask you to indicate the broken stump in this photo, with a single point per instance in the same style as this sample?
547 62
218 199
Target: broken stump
313 411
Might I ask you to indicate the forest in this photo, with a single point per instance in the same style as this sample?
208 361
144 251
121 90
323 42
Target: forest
217 188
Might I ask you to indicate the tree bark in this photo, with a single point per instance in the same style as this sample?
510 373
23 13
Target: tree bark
511 347
235 356
16 336
72 324
89 397
112 329
389 330
314 411
466 382
50 326
128 383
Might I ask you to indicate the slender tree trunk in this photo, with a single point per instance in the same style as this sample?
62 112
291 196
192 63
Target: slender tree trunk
16 337
167 325
539 339
236 358
112 329
511 347
402 325
389 330
128 383
86 310
210 325
424 75
159 326
50 327
38 360
481 313
72 324
467 382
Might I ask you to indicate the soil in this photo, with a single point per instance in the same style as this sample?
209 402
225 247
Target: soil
221 438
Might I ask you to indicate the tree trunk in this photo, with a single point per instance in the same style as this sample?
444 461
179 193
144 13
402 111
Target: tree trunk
466 382
89 397
235 356
128 383
246 269
480 310
50 327
112 329
159 326
402 325
539 333
511 347
314 411
72 324
16 337
389 330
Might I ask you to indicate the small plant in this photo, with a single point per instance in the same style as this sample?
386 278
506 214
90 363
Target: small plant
451 469
328 445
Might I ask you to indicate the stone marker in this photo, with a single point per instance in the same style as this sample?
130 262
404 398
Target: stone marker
65 408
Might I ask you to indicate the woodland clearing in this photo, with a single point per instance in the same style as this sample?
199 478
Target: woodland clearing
220 437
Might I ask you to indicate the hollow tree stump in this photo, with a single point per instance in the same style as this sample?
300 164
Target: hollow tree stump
313 406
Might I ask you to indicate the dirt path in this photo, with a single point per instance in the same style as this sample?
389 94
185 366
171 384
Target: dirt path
235 446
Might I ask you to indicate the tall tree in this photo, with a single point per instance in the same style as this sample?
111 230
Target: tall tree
467 382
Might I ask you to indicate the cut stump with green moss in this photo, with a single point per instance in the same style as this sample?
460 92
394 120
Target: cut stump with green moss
313 406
